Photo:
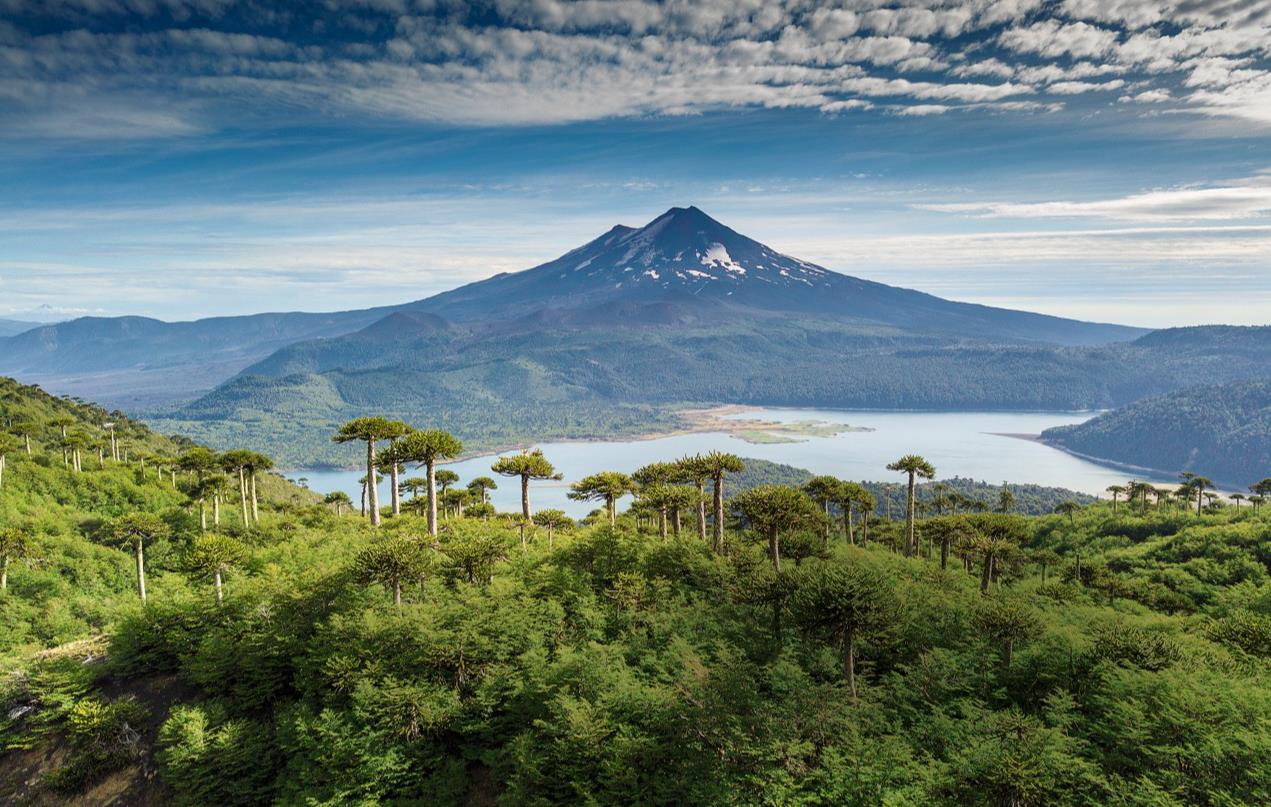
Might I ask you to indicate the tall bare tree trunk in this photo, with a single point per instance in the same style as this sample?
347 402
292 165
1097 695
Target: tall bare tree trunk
216 576
525 499
911 544
255 501
397 495
718 504
216 510
141 572
701 510
242 494
373 495
774 549
432 497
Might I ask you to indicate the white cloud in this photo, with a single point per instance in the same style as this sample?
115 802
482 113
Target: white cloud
1052 38
1247 199
1079 87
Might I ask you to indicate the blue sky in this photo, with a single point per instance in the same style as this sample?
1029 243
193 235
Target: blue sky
181 158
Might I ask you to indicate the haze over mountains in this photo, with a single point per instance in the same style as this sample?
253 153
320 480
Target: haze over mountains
608 336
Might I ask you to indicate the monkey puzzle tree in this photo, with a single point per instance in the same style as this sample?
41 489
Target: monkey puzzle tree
369 430
1261 488
256 463
25 429
848 602
948 531
15 543
1068 508
915 466
340 499
1198 485
1007 621
200 462
696 470
606 486
214 488
773 509
446 478
426 448
212 556
392 460
1117 491
824 489
527 465
236 462
391 561
7 446
413 485
135 529
718 465
481 487
553 520
651 479
62 423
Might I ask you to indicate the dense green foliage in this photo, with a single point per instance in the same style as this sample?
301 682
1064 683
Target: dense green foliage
1096 656
494 388
1223 431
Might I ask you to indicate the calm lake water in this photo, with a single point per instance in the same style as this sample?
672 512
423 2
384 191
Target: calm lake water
966 444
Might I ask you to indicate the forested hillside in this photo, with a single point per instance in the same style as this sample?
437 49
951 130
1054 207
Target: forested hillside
501 388
948 495
722 641
1223 431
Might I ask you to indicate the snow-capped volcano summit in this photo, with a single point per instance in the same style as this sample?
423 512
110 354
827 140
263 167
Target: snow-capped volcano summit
682 254
685 247
685 267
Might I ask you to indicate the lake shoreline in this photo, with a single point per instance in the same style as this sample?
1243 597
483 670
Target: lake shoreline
705 420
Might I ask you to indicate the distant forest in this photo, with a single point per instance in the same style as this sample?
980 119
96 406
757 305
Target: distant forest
1222 431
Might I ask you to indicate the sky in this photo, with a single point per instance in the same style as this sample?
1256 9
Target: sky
1100 159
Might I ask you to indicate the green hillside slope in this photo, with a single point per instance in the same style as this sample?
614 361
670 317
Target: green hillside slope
1222 431
1107 654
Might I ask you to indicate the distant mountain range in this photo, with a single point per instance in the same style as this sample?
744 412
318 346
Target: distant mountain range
605 338
1223 432
9 327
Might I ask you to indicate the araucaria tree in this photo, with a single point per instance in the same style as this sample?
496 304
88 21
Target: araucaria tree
135 529
606 486
1117 492
915 466
7 445
718 465
849 602
527 465
427 448
774 509
390 562
214 555
15 543
695 470
480 488
236 462
825 490
369 430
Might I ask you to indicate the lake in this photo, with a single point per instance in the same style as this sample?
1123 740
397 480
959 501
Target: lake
966 444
